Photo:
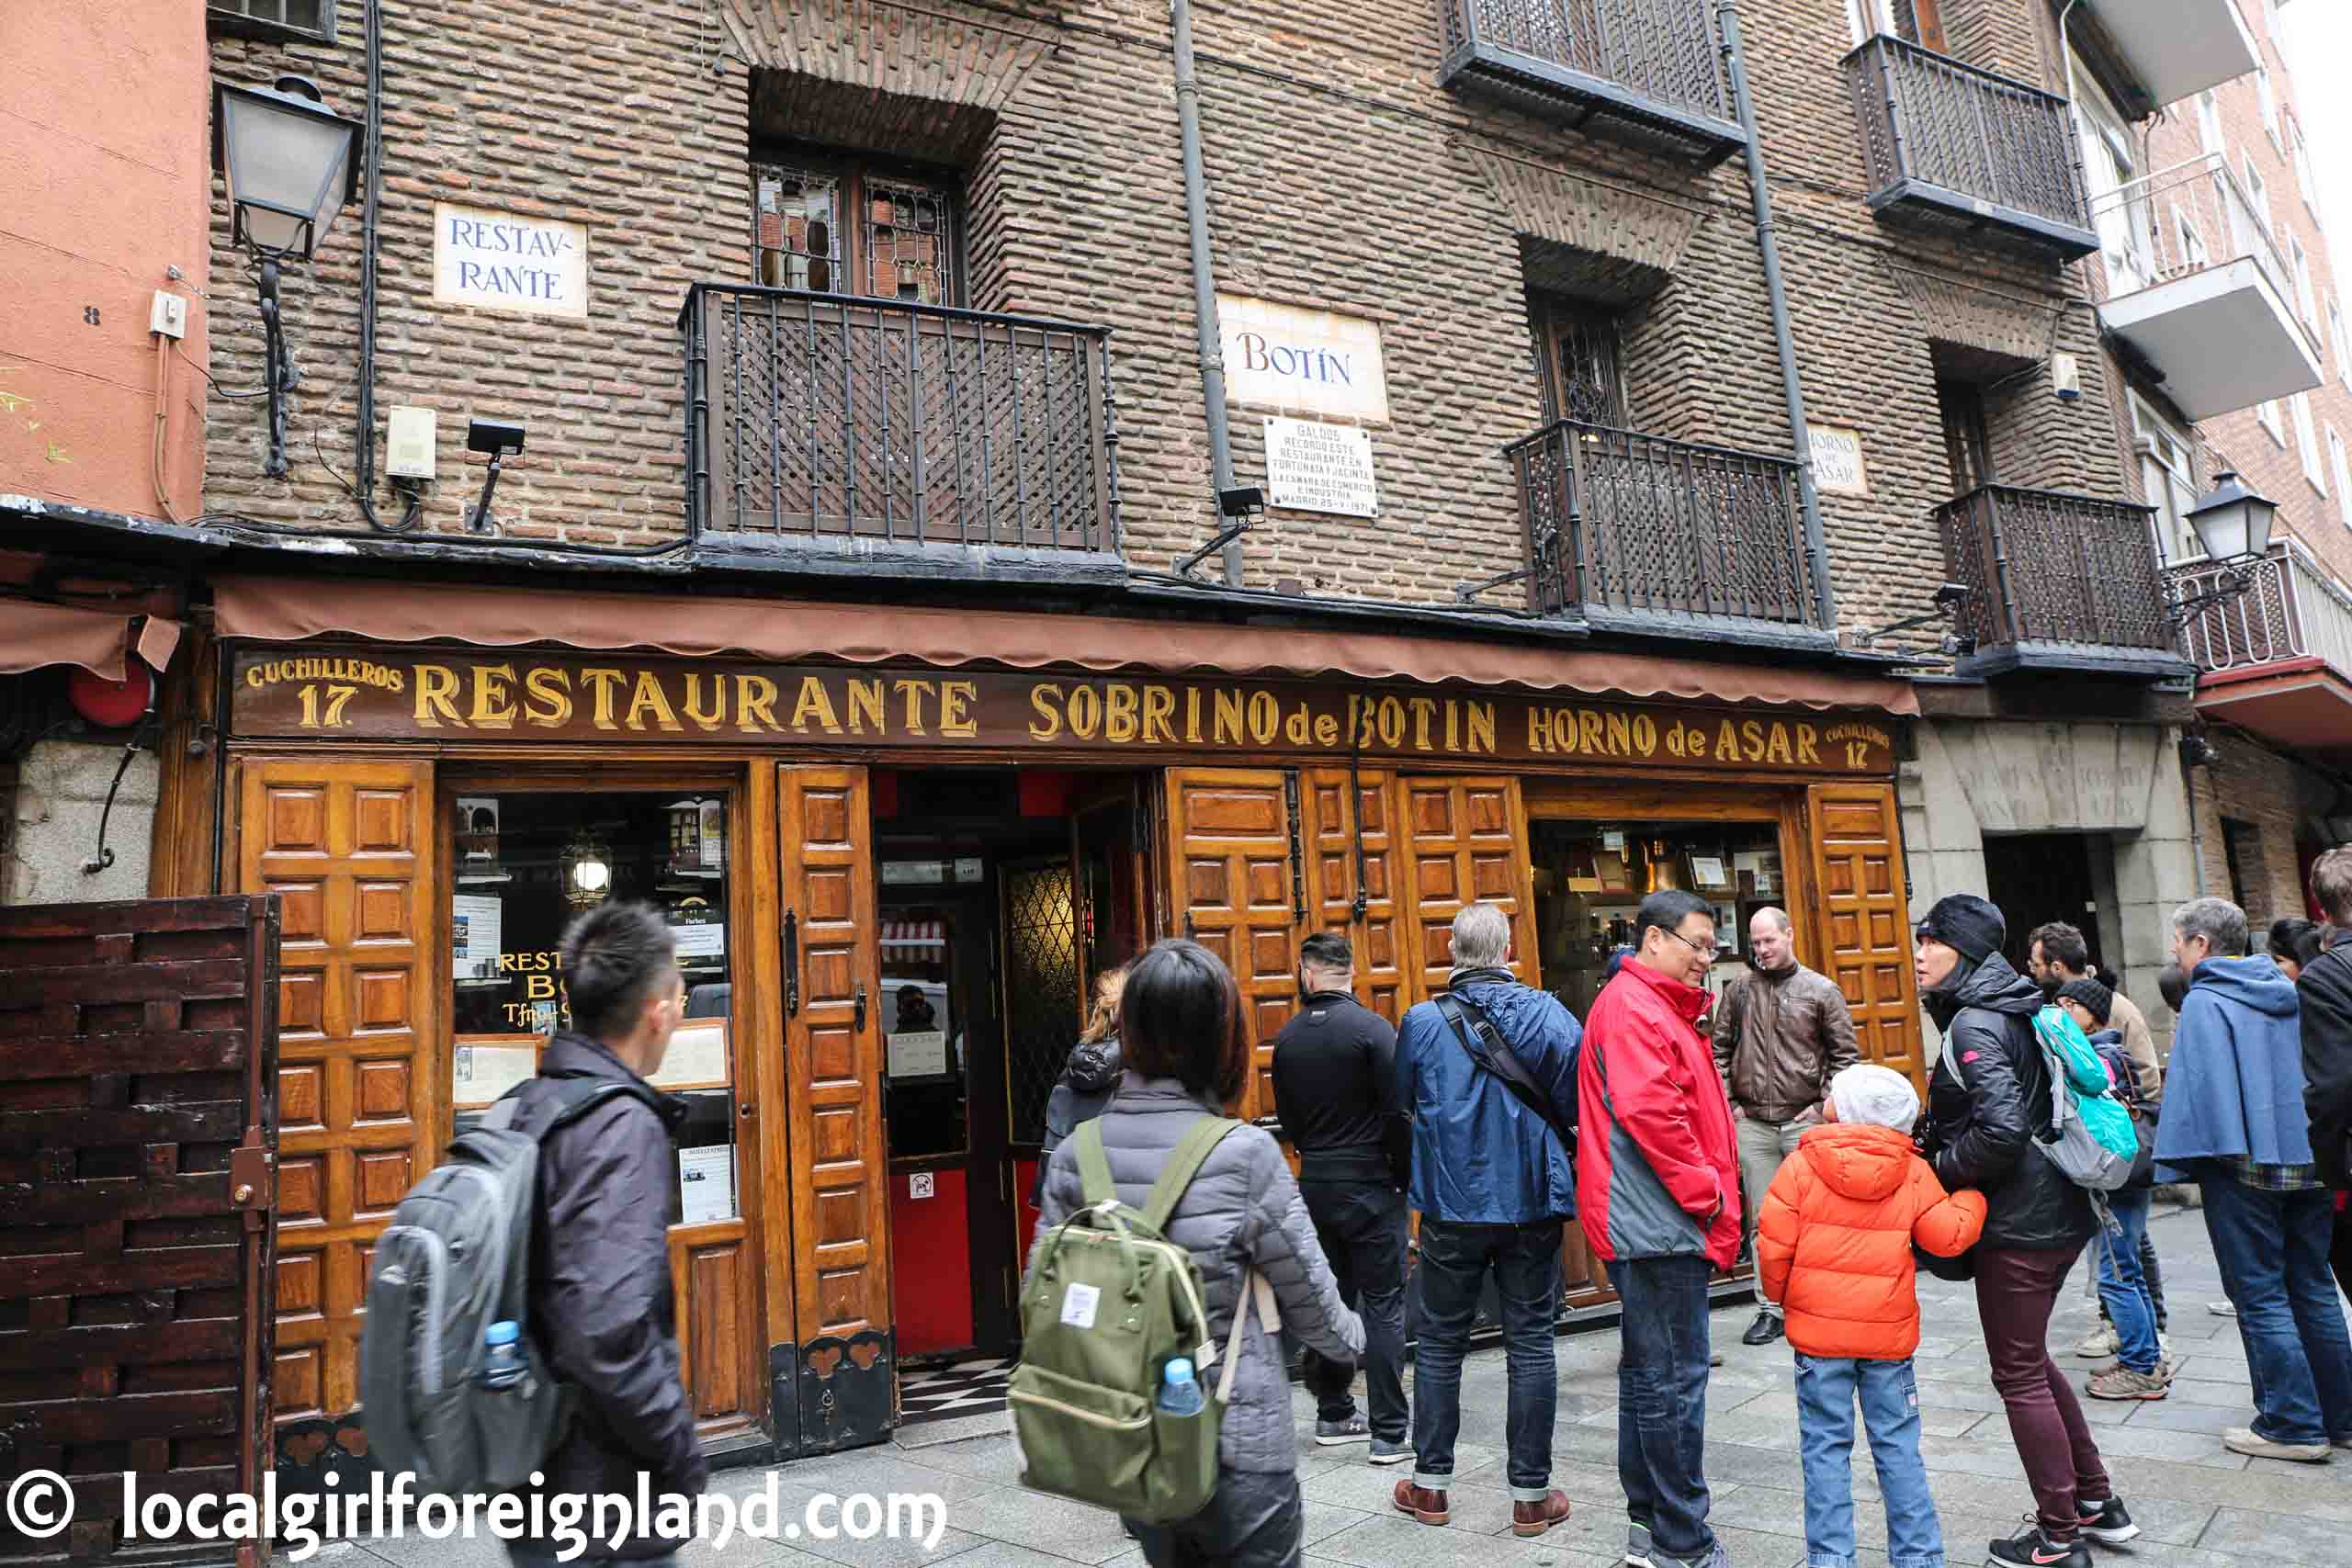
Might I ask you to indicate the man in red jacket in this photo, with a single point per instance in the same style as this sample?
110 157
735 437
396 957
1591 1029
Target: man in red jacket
1658 1192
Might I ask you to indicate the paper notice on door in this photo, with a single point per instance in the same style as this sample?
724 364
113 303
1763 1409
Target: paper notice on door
480 1075
697 1057
706 1185
918 1053
474 921
1078 1305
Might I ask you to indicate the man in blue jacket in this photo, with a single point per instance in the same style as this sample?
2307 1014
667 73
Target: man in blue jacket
1494 1183
2234 1124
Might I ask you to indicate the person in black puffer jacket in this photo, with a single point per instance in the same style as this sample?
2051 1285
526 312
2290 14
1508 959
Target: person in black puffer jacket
1987 1099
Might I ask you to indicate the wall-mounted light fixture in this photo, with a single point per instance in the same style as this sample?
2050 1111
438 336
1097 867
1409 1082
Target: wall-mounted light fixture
587 871
290 165
499 440
2232 526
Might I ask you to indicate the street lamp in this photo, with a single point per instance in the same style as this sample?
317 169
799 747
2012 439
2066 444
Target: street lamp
290 165
2232 526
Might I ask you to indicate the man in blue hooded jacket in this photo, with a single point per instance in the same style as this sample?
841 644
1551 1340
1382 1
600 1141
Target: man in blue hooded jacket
2234 1124
1493 1183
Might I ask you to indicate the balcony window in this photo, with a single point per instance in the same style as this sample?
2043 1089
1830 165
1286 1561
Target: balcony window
2307 442
1968 442
2337 464
1582 350
2266 414
2305 181
1913 21
2168 481
2258 195
286 20
2267 101
2304 301
2110 164
2209 121
2343 340
835 229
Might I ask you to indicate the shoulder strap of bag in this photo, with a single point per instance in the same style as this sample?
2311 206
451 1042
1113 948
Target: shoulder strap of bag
1258 1293
1492 1054
1094 1180
1183 1163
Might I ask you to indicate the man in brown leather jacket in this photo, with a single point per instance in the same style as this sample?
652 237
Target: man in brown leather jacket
1782 1032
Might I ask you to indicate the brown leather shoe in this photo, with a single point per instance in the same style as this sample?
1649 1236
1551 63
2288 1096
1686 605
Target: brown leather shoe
1535 1519
1425 1505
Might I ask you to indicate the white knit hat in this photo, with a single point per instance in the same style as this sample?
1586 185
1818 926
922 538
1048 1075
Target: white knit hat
1873 1095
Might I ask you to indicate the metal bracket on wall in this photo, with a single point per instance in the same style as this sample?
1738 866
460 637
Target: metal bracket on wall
1297 849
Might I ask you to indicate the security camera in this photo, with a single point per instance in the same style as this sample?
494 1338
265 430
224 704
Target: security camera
1951 595
493 436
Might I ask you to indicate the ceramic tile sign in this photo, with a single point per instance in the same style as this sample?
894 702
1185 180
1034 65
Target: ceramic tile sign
1303 362
1838 466
497 261
1313 466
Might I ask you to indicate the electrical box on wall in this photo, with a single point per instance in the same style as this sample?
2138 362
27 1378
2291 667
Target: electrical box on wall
2065 378
409 441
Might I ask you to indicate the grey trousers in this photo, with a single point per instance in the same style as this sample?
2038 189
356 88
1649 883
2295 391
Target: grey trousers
1762 1146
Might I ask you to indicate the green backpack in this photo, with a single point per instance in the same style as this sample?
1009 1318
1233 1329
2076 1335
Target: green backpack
1110 1303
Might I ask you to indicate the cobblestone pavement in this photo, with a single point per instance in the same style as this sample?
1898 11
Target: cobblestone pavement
2200 1506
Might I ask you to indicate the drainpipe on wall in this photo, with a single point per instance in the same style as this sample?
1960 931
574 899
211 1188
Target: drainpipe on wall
1816 543
1196 221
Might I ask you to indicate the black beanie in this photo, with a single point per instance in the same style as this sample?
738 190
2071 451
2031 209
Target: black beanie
2095 998
1970 925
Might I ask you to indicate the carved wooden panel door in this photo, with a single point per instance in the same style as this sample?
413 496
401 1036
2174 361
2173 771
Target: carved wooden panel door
136 1118
1866 928
349 849
839 1156
1465 839
1348 844
1236 878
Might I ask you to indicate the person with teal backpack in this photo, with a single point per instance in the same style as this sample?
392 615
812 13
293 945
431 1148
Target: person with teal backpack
1173 1257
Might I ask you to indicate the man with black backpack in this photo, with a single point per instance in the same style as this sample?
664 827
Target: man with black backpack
600 1296
1335 1085
1488 1071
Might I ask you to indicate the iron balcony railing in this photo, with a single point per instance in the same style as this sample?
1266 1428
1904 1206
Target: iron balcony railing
1976 146
2048 567
1636 523
1654 66
819 419
2293 610
2182 221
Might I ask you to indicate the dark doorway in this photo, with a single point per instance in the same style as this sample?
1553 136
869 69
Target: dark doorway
2040 878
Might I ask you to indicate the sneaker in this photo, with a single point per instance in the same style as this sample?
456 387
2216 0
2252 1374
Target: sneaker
1535 1519
2164 1345
2121 1382
2223 1309
2340 1442
1355 1429
1421 1501
2108 1523
1764 1330
2033 1548
1385 1453
1718 1556
2099 1344
1637 1545
2246 1440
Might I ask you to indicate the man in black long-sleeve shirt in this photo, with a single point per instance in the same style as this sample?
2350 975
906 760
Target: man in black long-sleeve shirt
1334 1091
2325 993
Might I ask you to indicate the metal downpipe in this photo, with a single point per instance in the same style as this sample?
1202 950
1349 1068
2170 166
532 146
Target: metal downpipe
1196 222
1816 543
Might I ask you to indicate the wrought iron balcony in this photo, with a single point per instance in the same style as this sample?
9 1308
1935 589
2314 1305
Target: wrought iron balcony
2058 581
2197 282
853 432
2277 658
1644 72
1661 533
1954 147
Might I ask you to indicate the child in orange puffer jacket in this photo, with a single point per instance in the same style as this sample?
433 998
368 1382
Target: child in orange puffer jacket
1834 1239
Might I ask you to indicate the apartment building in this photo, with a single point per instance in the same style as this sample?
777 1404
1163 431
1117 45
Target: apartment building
951 492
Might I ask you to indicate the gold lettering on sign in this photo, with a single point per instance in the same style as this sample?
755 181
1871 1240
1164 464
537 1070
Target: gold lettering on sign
706 722
1119 712
1265 717
1807 756
865 708
915 692
1424 708
1193 716
1085 712
648 698
755 703
436 697
1327 730
604 681
955 699
1048 722
816 704
1777 750
552 688
1228 718
494 701
1158 704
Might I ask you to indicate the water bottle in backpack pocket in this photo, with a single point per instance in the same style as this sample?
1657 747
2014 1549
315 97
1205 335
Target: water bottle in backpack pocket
1179 1392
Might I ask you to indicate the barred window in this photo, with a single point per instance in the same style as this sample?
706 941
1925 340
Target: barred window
848 230
274 19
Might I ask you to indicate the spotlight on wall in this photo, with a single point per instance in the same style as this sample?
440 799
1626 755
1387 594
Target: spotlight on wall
500 440
2195 751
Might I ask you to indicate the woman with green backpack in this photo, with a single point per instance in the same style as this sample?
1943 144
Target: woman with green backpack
1154 1377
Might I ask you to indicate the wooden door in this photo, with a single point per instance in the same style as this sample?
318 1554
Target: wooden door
1866 929
838 1159
347 848
137 1113
1464 839
1233 870
1351 846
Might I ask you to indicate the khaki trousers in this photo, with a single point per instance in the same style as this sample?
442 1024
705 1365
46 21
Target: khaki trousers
1762 1146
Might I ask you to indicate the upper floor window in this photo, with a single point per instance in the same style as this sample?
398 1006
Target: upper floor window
2209 121
2268 100
1582 353
1968 441
2307 442
2110 163
2257 194
1913 21
2304 301
274 19
2343 340
2266 414
2305 182
837 227
2167 480
2340 466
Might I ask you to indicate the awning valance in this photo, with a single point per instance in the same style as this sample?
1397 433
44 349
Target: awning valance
33 637
279 610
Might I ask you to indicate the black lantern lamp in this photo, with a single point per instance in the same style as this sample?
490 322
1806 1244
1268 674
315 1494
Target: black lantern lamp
290 165
2232 526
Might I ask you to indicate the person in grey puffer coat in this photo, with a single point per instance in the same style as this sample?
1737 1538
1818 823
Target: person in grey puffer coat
1186 1047
1089 1076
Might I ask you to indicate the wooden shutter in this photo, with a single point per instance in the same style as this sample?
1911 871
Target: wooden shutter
1928 24
1230 870
349 849
1332 826
832 1050
1866 929
1465 839
135 1124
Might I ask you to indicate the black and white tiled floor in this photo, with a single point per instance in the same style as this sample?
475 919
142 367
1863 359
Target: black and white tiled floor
966 1388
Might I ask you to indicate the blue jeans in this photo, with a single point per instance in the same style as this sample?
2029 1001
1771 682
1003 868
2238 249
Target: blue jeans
2122 1287
2273 1248
1890 1394
1455 1260
1662 1400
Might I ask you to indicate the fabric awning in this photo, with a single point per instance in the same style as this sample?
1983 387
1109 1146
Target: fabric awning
283 610
33 637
